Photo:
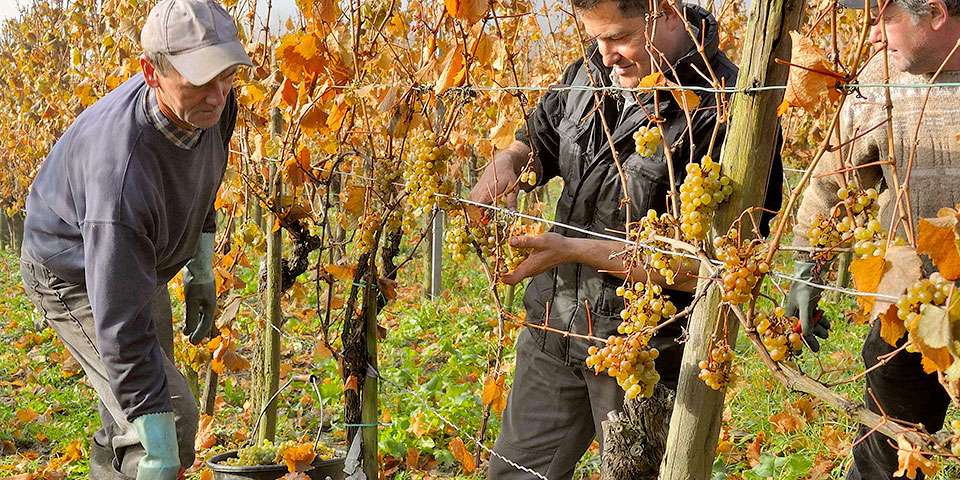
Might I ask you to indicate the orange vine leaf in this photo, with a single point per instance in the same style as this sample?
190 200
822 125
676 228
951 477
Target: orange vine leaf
910 459
937 238
462 455
811 76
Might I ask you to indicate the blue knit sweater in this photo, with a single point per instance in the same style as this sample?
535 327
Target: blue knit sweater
118 207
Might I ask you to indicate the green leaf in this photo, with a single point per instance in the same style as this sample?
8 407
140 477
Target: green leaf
796 466
719 470
432 384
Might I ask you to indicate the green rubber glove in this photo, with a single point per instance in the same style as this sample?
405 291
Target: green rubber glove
158 435
200 290
802 302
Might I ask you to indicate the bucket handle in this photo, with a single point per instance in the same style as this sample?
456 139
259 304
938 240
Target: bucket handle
296 378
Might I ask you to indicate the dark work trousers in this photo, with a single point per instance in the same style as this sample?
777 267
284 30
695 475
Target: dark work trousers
552 413
904 392
66 307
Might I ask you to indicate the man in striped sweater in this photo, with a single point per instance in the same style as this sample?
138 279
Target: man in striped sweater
920 35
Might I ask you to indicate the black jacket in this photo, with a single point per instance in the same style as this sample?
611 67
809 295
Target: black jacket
566 133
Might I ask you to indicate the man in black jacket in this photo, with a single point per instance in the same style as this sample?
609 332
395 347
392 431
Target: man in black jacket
556 405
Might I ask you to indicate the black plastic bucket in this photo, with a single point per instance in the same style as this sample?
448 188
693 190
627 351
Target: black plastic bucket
322 469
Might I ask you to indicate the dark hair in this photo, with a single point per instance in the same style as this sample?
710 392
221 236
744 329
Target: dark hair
628 8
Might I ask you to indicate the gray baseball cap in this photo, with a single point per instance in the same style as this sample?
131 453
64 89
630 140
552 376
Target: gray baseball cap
857 4
198 36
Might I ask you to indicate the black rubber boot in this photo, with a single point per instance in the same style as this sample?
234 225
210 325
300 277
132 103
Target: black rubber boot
101 463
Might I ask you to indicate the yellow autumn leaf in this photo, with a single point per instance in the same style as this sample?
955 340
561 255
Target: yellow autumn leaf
469 11
655 79
687 99
502 134
343 273
453 71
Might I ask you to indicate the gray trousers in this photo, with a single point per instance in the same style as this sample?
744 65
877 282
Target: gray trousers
553 413
66 307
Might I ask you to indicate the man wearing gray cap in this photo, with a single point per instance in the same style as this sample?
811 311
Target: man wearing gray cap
123 202
919 37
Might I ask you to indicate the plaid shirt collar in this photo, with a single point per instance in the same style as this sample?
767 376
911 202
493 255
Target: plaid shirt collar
185 139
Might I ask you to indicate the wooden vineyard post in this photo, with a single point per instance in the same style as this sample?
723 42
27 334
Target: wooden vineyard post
747 156
843 270
272 294
369 402
4 231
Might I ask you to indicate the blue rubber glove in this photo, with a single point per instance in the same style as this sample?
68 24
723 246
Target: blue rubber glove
200 291
158 435
802 302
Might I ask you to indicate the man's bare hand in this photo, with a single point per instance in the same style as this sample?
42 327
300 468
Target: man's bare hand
500 179
547 250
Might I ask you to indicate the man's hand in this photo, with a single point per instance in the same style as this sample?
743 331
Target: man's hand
547 250
200 291
158 435
500 178
802 302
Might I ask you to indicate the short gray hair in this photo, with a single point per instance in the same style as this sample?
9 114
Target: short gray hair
919 8
627 8
160 62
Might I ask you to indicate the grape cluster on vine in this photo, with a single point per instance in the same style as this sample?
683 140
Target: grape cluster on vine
927 291
646 231
629 358
863 220
703 189
425 174
824 235
490 237
856 218
626 360
457 239
367 231
647 139
717 370
743 266
644 307
528 176
778 335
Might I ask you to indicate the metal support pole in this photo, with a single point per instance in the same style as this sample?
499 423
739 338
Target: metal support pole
436 254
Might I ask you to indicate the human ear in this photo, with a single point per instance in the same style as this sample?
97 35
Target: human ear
667 9
938 14
149 72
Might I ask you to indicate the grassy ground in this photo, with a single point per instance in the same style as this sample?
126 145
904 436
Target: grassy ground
435 355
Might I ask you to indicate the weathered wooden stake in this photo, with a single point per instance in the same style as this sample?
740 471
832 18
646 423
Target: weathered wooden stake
369 402
274 317
4 231
843 270
747 156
